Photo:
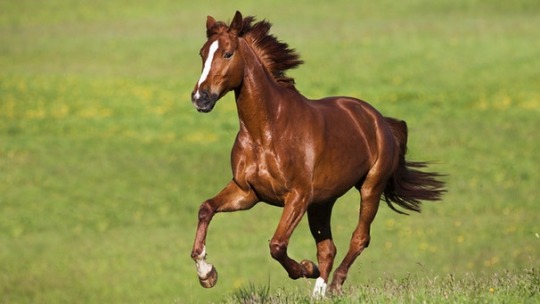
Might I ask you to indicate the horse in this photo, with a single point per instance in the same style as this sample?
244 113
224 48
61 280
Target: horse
300 154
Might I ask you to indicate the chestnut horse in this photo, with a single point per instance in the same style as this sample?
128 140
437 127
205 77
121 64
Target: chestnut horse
299 154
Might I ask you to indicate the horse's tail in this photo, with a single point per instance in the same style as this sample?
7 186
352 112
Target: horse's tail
408 186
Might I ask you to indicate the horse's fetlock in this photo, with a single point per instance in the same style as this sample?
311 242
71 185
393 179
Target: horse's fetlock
277 249
195 255
295 275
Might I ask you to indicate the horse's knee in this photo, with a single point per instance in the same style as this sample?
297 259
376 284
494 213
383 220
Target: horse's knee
206 212
277 249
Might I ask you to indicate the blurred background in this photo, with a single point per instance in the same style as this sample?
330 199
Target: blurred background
104 161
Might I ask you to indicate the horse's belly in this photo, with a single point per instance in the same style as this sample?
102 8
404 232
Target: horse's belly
329 188
337 173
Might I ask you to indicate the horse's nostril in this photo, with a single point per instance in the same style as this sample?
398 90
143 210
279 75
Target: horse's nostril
199 95
204 101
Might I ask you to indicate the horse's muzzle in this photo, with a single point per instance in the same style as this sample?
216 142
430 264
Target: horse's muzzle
203 101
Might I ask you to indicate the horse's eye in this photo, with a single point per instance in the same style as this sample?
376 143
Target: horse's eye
227 55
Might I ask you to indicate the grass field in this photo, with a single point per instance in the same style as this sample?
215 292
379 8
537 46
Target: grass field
104 161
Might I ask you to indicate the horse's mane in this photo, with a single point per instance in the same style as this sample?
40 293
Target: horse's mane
275 55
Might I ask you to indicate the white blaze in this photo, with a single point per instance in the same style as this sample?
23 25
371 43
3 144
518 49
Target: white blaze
207 65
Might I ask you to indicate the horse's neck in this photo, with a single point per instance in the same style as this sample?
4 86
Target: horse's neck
258 99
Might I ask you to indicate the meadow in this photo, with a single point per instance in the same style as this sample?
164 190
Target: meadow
104 161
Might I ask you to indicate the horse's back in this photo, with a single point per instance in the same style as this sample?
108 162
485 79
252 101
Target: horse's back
356 115
353 106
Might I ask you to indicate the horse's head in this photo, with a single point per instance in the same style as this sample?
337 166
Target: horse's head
223 66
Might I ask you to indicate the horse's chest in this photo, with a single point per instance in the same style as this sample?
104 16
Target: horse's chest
267 177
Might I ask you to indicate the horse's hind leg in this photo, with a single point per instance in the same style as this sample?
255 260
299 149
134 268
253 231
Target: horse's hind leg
371 191
319 225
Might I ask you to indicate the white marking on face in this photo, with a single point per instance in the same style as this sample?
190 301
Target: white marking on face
207 66
320 288
203 268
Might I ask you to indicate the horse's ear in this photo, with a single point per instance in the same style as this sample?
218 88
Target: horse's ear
210 21
236 24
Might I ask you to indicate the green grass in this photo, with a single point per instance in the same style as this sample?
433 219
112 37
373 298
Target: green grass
504 287
104 161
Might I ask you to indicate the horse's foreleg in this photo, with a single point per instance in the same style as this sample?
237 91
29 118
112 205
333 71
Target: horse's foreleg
293 211
232 198
319 225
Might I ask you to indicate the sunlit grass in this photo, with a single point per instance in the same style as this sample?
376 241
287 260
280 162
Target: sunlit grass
501 287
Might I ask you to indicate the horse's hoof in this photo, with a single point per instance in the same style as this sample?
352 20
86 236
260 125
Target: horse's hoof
310 269
335 290
210 280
